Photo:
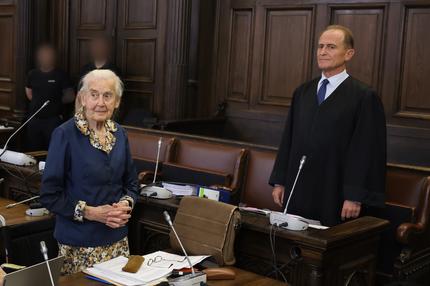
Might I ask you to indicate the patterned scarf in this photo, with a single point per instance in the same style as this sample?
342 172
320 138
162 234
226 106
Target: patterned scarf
110 139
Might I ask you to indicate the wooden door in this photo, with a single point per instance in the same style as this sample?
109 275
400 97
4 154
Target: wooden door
140 52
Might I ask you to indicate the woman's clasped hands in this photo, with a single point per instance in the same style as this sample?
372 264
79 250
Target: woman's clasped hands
114 216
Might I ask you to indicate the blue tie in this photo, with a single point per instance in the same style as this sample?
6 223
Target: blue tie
322 91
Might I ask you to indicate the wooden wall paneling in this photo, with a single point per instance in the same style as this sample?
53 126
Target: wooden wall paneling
281 64
16 18
60 30
234 61
140 48
192 98
414 99
367 22
205 62
23 54
240 55
406 100
7 54
177 59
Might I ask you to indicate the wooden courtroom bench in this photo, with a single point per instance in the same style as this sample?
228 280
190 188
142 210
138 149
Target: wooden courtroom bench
206 163
311 257
143 148
404 250
406 193
190 159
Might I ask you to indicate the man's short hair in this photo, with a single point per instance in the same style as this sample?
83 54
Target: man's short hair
348 38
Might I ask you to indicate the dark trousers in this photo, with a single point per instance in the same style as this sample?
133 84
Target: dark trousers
39 132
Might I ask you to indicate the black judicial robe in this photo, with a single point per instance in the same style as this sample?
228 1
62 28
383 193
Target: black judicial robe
344 140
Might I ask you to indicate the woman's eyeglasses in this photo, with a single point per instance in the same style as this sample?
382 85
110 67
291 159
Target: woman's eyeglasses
158 259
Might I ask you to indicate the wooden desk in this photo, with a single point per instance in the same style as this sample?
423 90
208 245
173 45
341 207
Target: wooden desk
242 278
311 257
16 215
22 234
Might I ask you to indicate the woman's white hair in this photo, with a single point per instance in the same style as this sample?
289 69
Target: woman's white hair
96 75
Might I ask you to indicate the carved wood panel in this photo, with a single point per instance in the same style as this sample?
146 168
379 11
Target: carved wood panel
240 49
92 14
7 54
286 63
414 99
368 26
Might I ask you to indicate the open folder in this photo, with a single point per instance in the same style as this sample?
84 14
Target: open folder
162 264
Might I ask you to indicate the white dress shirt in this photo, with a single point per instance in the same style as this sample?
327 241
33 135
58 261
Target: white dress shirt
334 82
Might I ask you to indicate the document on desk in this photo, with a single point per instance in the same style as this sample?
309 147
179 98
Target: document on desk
162 265
180 190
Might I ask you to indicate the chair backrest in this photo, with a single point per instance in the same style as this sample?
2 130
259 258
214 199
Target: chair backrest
257 192
144 146
405 186
211 157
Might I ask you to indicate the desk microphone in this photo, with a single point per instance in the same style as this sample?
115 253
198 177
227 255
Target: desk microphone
152 190
22 125
189 279
44 251
289 221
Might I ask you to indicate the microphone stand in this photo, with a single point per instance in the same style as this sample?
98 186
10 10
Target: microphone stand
22 126
158 160
152 190
285 220
194 278
44 251
21 202
302 162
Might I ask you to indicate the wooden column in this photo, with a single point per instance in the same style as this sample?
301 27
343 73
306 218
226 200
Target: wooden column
177 58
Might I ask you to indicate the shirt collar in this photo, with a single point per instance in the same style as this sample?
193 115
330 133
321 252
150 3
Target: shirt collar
334 80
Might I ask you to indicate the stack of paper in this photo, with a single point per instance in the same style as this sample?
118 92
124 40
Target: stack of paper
147 275
180 190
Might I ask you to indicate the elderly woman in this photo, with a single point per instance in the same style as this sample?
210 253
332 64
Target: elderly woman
89 181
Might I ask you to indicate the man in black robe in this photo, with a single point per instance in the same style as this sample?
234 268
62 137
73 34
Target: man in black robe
338 123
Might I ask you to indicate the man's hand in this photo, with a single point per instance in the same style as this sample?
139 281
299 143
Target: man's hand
278 195
350 209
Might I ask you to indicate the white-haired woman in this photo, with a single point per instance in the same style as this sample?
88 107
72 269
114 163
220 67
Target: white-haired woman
89 181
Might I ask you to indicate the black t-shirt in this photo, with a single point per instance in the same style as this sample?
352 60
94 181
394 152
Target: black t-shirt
47 86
